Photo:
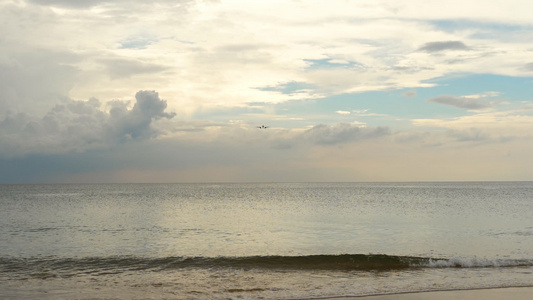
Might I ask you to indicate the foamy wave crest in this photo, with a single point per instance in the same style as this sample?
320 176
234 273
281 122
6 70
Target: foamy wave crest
478 263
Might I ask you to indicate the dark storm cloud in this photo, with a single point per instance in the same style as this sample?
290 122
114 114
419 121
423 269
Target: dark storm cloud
342 133
461 102
443 46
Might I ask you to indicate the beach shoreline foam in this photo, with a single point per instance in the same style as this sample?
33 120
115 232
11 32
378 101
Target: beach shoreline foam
510 293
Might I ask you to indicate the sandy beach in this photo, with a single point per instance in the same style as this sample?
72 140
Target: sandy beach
517 293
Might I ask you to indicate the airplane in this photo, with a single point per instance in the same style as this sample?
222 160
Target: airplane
262 127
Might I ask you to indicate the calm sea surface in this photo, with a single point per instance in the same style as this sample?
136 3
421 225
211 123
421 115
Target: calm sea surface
262 241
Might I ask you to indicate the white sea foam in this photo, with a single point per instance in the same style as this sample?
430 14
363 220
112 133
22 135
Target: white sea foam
474 262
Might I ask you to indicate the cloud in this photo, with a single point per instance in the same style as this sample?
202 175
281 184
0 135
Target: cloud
289 88
124 68
81 125
250 61
327 63
483 95
443 46
328 52
462 102
493 126
343 112
68 4
528 67
342 133
90 3
409 94
470 135
135 123
33 80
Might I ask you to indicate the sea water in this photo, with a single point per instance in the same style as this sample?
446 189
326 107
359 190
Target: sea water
262 240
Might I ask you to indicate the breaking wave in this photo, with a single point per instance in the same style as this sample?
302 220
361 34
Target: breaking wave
58 267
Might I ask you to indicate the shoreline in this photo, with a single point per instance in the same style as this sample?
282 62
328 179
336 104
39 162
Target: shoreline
505 293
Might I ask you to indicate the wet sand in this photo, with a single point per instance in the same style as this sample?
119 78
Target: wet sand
519 293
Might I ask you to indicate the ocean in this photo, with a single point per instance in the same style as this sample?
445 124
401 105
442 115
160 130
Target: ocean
262 240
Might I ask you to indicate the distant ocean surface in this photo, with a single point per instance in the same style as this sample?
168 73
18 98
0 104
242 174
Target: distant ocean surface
262 241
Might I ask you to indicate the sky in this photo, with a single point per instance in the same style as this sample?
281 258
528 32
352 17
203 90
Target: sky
98 91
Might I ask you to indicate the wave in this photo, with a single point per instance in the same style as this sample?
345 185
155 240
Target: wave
345 262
